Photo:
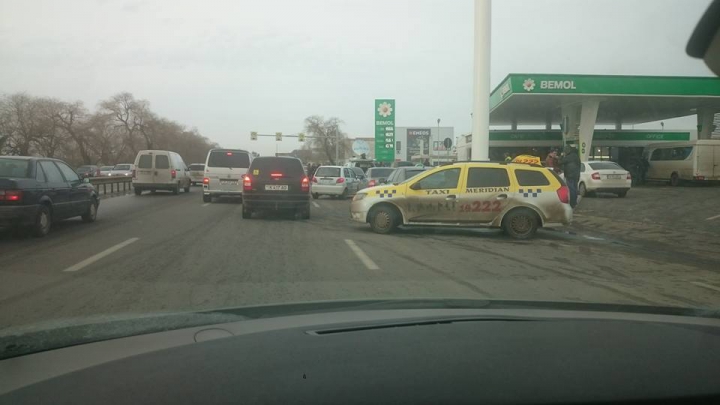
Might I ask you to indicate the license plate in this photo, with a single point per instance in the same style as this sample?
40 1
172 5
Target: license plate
275 187
329 181
614 176
228 182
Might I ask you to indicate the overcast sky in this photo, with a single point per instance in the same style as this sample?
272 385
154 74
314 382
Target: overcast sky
231 67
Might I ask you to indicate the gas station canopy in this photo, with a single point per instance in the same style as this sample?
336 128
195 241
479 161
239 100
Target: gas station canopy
532 99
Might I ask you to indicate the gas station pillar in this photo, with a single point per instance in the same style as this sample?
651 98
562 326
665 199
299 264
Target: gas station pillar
588 116
705 125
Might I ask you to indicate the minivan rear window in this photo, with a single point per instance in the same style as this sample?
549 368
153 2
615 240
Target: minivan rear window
162 162
14 168
328 172
229 159
145 162
262 167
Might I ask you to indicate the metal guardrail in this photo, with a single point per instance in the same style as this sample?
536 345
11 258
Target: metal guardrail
115 183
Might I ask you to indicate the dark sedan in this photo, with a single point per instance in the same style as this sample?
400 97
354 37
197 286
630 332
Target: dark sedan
35 192
274 184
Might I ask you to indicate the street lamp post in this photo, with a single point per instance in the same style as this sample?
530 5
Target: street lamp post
437 155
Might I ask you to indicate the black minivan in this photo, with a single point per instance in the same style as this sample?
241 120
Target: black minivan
276 184
36 191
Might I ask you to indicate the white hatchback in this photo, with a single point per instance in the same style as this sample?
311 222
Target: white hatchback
603 177
335 181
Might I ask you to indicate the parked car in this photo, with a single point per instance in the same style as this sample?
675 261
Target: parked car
276 184
160 170
375 174
517 198
335 181
361 177
122 169
224 170
197 173
105 170
677 162
35 192
403 173
604 177
88 171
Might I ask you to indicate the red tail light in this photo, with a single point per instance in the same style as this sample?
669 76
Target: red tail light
629 177
595 176
340 180
564 194
247 183
173 173
314 179
305 185
206 180
372 183
11 195
134 174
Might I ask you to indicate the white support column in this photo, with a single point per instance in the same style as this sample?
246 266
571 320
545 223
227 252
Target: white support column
705 125
588 116
481 82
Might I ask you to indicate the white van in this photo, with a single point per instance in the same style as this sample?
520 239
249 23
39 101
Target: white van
683 161
160 170
224 169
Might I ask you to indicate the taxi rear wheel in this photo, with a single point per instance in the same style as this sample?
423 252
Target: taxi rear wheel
383 219
520 224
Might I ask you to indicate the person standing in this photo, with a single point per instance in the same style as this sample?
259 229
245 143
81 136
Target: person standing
570 164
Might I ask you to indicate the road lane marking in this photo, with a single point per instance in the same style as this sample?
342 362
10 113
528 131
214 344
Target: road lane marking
367 261
206 204
92 259
711 218
705 285
316 204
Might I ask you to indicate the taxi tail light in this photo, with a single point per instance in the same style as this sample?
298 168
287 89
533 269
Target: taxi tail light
206 180
340 180
247 183
629 176
305 185
371 183
595 176
564 194
173 173
11 195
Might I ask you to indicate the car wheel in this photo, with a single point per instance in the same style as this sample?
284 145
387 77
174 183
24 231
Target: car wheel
305 212
207 198
187 188
138 191
674 180
520 224
622 194
383 219
91 214
176 189
43 221
315 196
582 190
246 213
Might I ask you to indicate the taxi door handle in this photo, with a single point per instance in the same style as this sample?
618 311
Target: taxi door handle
450 197
501 197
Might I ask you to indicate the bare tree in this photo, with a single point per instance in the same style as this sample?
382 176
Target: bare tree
72 118
126 112
21 123
324 134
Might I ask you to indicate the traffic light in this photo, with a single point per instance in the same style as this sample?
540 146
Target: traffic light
301 137
253 136
278 136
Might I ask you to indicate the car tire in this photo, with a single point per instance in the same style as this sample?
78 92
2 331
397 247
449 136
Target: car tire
138 191
315 196
582 190
43 222
622 194
91 214
246 213
176 189
383 219
207 198
305 212
520 223
187 188
674 180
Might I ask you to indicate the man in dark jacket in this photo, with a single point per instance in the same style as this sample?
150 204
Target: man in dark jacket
570 164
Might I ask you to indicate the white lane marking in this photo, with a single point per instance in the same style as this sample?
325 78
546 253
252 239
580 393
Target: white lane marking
592 237
367 261
92 259
316 204
705 285
206 204
711 218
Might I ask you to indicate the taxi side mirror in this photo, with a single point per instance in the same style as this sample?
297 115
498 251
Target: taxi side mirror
416 186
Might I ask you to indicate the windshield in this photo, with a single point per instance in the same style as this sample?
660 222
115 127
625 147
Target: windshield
520 131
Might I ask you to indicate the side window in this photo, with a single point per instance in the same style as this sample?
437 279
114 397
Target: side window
39 174
487 177
681 153
162 162
531 178
347 174
656 154
52 172
145 162
69 173
440 180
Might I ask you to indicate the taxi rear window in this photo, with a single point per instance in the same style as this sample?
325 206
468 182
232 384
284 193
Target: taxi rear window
487 177
531 178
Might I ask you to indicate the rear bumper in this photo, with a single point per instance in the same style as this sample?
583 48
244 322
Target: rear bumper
17 215
330 189
270 202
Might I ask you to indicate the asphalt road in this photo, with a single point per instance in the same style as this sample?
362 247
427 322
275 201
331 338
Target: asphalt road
165 253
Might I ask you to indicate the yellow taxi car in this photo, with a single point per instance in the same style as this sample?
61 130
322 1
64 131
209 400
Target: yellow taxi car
519 198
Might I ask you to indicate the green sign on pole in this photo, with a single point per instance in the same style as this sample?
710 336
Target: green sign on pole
384 130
